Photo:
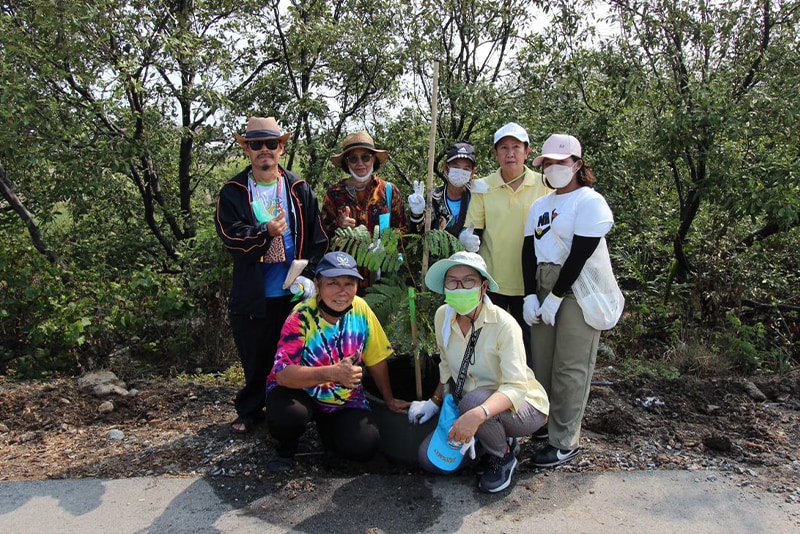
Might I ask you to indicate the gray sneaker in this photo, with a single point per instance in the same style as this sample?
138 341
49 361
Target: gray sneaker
498 476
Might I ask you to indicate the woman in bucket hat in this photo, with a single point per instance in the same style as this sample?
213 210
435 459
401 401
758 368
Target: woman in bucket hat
266 217
562 231
361 198
318 369
483 358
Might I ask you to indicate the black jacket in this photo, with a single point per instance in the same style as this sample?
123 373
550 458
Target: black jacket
441 214
237 227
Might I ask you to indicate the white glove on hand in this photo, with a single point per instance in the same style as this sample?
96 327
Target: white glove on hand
549 309
301 283
376 247
420 411
469 447
468 238
530 310
416 200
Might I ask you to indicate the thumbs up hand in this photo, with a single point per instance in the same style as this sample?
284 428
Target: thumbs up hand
469 240
345 219
276 226
347 374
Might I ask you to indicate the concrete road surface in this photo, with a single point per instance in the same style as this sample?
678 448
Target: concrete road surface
548 502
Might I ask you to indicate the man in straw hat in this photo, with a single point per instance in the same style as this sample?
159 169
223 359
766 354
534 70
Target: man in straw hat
267 217
362 198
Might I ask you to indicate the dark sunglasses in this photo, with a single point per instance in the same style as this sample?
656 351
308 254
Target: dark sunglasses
271 144
365 158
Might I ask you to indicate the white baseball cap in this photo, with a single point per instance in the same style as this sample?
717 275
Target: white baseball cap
558 146
512 129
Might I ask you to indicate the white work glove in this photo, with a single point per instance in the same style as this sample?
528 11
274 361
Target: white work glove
376 247
304 285
416 200
420 411
468 238
530 310
469 447
549 309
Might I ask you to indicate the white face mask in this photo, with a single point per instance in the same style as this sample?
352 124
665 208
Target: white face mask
459 177
361 179
558 175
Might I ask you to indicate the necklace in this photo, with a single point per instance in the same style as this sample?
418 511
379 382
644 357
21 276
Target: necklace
267 196
508 183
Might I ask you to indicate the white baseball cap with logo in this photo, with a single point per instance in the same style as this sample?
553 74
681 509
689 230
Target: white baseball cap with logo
512 129
558 147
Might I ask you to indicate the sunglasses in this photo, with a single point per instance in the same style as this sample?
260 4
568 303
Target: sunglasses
271 144
365 158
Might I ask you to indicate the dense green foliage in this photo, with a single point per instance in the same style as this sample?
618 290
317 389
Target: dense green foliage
117 134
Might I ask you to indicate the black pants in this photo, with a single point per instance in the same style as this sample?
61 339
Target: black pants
350 433
513 305
256 341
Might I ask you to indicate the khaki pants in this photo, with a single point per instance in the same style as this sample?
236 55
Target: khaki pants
563 361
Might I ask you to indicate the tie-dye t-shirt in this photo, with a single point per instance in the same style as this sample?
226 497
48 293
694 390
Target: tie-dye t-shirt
308 339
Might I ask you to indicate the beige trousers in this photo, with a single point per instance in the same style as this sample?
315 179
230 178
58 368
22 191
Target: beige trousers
563 361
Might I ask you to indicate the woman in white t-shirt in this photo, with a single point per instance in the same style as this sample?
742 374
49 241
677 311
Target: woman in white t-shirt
562 231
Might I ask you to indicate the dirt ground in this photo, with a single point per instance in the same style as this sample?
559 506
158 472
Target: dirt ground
52 429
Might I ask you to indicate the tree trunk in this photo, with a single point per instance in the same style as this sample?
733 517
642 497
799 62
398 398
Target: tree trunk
11 197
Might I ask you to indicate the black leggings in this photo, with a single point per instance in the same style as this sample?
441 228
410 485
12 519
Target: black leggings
351 433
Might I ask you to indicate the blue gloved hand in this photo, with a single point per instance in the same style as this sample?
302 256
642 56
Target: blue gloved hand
549 309
530 310
420 411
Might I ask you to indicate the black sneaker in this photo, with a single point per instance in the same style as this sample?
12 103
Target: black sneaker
550 456
482 465
541 433
280 464
498 476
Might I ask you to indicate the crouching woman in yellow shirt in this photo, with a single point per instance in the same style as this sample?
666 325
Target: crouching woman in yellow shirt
483 365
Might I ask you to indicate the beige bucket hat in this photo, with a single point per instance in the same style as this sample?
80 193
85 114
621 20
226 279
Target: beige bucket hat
359 140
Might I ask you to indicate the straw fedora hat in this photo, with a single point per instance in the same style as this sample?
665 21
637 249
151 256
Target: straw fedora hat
261 128
358 140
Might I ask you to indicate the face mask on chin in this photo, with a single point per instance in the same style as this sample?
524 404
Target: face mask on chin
458 177
558 175
463 301
361 179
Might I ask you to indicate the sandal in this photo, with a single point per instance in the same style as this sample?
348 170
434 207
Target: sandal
244 423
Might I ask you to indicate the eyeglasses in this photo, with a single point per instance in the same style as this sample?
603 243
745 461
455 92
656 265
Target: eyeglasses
466 283
365 158
271 144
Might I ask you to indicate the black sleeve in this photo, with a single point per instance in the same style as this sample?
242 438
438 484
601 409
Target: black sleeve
582 248
529 265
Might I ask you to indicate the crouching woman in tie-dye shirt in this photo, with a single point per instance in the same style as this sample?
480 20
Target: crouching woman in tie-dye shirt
324 343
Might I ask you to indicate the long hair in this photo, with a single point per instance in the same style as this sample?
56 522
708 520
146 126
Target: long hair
585 175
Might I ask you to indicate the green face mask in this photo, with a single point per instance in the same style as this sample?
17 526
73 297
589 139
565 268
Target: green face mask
463 301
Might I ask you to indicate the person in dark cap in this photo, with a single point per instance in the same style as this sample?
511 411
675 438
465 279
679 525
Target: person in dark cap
450 201
325 344
267 217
